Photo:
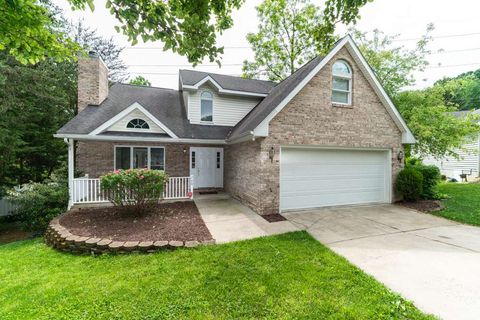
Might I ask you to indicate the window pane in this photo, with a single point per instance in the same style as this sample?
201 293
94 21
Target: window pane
340 97
140 158
122 158
341 68
193 159
206 112
218 160
156 159
207 95
341 84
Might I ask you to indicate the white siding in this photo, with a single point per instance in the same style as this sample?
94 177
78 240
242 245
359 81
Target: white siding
452 167
121 125
228 110
185 102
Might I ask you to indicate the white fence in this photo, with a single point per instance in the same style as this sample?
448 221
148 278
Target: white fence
86 190
6 207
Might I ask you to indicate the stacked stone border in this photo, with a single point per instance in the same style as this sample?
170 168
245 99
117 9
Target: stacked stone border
58 237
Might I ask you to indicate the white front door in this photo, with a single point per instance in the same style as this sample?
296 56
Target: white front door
206 167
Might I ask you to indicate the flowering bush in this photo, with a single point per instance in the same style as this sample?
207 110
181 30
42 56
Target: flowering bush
135 190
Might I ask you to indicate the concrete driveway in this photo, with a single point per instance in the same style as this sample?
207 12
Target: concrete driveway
431 261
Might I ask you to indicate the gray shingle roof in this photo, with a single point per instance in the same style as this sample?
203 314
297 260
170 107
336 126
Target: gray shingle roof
270 102
191 77
164 104
167 105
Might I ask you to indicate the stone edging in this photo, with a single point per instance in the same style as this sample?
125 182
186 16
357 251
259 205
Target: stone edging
60 238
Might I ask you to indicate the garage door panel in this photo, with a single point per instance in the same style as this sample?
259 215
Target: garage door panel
319 177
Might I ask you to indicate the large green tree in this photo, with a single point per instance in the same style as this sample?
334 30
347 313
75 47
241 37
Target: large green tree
35 101
140 81
284 41
291 32
463 90
187 27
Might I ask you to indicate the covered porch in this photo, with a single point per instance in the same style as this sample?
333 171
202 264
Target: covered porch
188 167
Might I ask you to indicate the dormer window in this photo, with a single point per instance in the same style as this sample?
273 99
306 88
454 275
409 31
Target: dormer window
138 124
206 106
342 83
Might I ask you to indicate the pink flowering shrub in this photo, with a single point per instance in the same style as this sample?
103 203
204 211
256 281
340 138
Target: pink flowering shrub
135 190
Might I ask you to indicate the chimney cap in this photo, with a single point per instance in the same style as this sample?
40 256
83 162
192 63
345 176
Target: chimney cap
93 54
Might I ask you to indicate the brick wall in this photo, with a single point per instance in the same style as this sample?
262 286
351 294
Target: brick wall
97 157
311 119
92 81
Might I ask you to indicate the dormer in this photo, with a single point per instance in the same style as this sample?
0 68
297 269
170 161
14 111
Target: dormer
222 100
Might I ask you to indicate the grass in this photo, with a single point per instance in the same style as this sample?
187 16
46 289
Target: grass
280 277
462 204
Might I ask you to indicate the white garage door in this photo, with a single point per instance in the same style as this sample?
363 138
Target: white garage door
312 178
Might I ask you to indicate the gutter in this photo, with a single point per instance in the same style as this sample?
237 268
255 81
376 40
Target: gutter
146 139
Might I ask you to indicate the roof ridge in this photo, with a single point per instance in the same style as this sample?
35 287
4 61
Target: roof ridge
142 86
227 75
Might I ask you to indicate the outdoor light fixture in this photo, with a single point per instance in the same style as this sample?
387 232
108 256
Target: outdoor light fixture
400 155
184 150
271 153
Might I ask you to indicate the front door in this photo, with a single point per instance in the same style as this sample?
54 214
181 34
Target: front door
206 167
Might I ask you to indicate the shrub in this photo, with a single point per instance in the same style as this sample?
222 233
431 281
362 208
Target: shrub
39 202
135 190
410 184
431 178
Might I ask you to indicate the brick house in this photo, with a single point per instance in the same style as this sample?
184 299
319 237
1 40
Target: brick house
327 135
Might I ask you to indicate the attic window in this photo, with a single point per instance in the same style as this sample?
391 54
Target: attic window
138 124
342 83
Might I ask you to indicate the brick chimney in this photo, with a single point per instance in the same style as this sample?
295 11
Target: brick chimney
92 80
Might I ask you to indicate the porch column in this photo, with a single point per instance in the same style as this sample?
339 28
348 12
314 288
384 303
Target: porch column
71 166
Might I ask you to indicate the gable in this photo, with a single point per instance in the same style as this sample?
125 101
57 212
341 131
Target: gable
310 117
121 125
257 122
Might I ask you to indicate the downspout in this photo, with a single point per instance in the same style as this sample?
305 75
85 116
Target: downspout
71 166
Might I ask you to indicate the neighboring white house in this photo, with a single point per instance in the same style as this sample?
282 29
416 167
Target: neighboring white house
468 161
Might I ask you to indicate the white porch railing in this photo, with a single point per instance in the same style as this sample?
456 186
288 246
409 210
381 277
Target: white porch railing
86 190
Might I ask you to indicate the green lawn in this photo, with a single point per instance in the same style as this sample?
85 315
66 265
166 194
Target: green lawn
462 204
281 277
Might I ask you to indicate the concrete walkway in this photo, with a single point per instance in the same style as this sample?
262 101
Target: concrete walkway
228 220
432 261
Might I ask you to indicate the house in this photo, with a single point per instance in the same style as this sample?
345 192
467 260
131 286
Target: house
468 161
327 135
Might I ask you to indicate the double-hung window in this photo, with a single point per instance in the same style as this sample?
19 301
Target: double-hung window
132 157
341 83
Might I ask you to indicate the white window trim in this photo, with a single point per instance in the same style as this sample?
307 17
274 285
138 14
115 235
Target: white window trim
213 107
344 77
131 155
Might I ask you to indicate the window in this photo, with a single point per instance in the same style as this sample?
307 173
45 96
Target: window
193 159
140 157
218 160
206 106
342 83
138 124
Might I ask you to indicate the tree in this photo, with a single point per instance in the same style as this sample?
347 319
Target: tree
35 101
284 41
187 27
30 34
140 81
438 132
292 32
393 65
463 90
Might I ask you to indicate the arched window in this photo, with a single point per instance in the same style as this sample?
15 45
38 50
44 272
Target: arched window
206 106
342 83
138 124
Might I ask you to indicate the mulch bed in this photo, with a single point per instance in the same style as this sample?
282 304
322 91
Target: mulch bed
275 217
423 205
179 221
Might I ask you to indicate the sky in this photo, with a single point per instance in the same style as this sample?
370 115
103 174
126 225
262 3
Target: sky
456 45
